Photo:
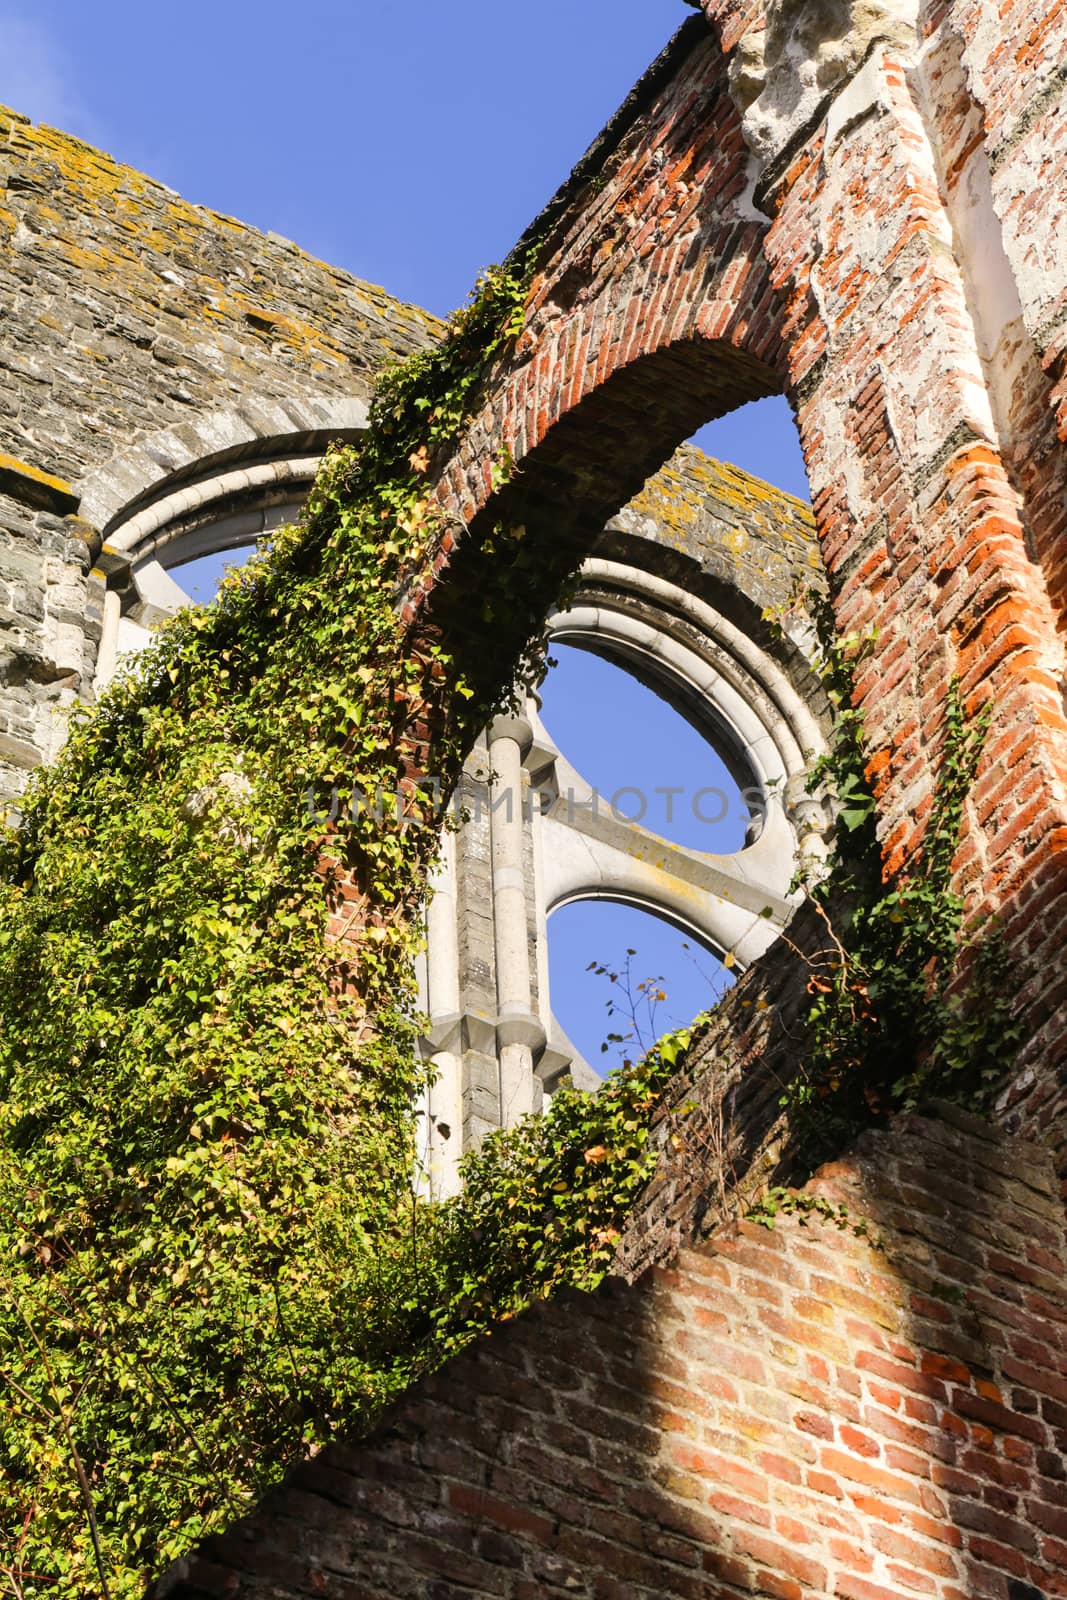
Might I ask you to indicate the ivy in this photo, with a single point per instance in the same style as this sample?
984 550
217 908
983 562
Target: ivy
207 1110
904 1007
212 1255
542 1204
778 1201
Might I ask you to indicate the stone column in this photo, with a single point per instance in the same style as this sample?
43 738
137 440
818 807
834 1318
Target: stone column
444 1106
519 1033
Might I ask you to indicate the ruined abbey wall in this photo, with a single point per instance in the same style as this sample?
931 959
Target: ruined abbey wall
869 1412
148 342
805 200
141 336
167 372
862 206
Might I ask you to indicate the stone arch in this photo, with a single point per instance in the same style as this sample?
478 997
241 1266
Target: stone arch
190 453
214 483
670 611
734 691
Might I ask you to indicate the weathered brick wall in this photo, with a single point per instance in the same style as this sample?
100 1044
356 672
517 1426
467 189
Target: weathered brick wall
1012 62
720 1136
786 1413
1015 57
911 267
651 311
799 199
838 201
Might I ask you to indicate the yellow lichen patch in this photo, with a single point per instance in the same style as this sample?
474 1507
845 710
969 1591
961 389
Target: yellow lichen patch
35 487
98 259
294 331
691 479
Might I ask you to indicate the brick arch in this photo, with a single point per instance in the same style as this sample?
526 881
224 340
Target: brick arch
586 466
651 309
621 424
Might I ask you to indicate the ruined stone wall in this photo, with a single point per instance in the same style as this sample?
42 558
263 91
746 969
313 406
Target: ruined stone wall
855 204
751 537
130 316
798 1412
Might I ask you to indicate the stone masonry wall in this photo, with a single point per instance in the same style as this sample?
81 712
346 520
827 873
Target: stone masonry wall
751 537
796 1412
126 312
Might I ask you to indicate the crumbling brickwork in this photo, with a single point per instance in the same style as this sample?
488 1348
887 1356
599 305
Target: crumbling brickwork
919 303
804 1411
861 206
846 248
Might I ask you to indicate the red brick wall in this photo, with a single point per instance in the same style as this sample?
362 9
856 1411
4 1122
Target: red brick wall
787 1413
908 281
884 290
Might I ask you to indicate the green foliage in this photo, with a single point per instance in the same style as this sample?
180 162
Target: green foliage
778 1202
890 1023
206 1138
211 1254
542 1204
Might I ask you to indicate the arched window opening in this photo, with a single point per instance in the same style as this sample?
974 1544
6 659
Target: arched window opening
652 763
622 976
649 804
760 437
200 576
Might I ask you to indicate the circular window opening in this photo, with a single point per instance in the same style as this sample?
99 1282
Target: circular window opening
621 977
640 754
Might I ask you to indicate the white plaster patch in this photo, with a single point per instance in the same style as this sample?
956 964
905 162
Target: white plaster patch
779 74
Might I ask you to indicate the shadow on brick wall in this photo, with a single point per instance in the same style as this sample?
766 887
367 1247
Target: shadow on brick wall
867 1412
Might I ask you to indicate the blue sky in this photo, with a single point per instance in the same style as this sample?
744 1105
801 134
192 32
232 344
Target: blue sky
410 145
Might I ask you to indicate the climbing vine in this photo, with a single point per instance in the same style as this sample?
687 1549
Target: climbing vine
903 1007
207 1111
212 1252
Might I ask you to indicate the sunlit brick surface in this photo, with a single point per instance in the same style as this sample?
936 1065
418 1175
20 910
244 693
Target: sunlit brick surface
788 1413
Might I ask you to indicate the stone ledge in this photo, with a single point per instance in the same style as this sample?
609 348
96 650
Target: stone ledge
35 487
17 753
